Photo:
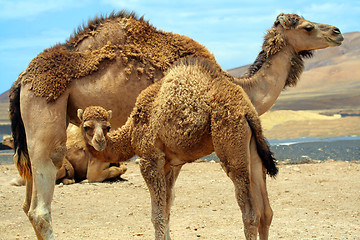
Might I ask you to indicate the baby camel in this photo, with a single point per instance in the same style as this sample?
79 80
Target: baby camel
81 162
8 141
85 162
195 110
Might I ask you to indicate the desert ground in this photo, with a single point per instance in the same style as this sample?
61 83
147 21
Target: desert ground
287 124
310 201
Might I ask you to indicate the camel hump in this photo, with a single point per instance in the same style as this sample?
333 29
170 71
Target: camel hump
262 145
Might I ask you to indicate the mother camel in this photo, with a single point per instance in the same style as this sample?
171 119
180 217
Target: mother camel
109 62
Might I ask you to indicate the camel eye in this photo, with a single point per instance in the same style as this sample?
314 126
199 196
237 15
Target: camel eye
86 128
308 28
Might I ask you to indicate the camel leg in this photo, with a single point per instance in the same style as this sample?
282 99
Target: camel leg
99 171
154 175
43 159
258 185
232 146
66 174
45 126
171 174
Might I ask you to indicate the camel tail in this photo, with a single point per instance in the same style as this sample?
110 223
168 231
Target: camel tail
21 156
262 145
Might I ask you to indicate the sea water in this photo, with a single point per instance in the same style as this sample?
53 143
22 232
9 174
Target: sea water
336 148
278 142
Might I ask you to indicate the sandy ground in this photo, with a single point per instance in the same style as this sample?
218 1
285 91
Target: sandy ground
310 201
285 124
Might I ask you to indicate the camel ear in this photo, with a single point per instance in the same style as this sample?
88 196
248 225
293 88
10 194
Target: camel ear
80 114
284 21
109 114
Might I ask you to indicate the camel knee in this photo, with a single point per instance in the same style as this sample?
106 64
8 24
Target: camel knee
265 224
268 216
121 169
41 221
266 219
57 155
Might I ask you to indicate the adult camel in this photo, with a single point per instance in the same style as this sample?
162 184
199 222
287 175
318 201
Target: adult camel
108 63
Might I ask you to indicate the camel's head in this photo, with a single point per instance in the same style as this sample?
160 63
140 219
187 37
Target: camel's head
304 35
8 141
95 125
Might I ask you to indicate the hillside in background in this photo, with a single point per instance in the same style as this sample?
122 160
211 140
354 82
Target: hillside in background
331 80
4 97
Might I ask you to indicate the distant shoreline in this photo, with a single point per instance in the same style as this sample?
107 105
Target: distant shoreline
323 149
306 149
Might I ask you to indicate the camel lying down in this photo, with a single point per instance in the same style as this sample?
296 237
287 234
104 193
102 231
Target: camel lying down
81 163
193 111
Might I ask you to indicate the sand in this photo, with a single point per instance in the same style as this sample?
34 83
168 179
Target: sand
286 124
310 201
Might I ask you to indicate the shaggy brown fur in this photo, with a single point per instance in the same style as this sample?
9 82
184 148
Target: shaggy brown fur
95 113
191 112
142 49
52 70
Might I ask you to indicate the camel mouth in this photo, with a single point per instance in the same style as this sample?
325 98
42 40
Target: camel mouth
335 42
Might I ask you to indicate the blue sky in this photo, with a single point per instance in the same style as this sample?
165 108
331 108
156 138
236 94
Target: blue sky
231 30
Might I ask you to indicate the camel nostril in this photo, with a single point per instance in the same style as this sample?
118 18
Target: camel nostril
336 31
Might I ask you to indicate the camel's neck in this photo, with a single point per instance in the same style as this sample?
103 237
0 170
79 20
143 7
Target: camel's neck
274 68
119 147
